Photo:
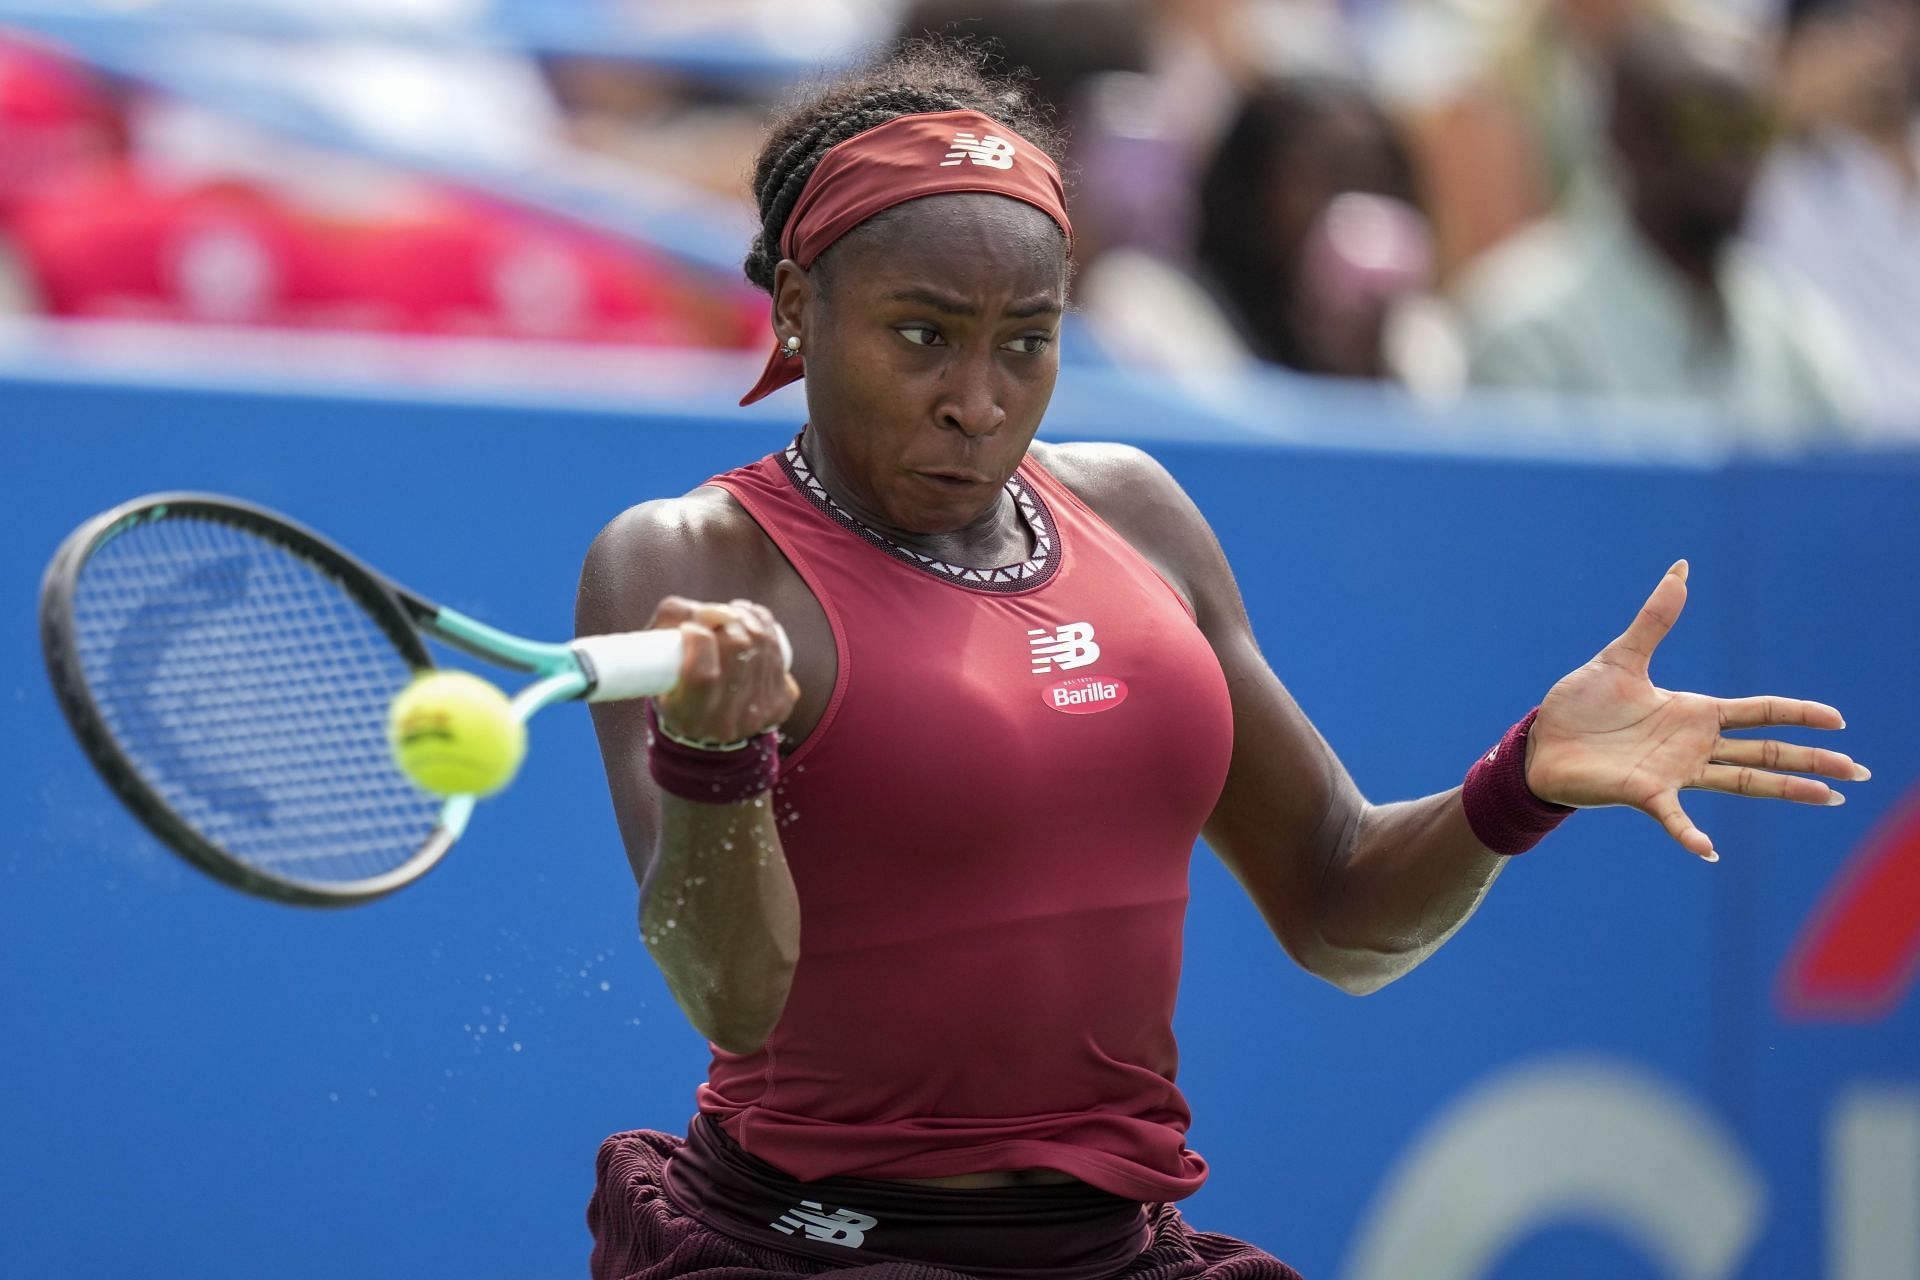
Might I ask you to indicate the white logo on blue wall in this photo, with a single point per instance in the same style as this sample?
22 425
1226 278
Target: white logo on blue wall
1597 1141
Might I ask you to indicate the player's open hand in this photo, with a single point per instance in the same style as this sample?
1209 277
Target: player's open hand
1607 735
734 683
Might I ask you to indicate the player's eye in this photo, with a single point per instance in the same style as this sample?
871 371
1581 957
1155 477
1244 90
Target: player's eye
1029 344
920 335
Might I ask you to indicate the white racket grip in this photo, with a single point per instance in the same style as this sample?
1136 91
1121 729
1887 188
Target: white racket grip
638 664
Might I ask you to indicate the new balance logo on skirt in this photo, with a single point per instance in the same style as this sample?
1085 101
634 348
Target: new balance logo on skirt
841 1227
990 151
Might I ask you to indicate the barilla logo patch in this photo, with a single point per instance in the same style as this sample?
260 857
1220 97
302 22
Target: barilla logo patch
1084 695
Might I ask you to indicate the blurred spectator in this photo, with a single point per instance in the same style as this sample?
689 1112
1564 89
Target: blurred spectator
1365 260
1211 54
1839 201
1502 104
1309 234
1553 64
1649 296
699 131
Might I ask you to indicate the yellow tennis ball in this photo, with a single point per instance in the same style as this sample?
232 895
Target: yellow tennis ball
455 734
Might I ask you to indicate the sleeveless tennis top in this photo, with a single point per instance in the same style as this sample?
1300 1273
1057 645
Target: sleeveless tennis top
990 832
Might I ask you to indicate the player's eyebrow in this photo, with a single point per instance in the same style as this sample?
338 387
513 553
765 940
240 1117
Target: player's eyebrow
1040 304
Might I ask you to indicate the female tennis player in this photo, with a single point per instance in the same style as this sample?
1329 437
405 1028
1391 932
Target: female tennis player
924 896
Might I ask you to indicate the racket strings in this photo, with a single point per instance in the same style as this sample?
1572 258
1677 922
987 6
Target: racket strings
250 692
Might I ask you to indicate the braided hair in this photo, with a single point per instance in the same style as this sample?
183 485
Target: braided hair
927 75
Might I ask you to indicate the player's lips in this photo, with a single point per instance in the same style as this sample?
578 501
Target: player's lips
954 478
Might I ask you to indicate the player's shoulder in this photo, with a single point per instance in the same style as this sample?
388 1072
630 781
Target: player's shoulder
1105 473
698 517
1139 499
702 544
1126 486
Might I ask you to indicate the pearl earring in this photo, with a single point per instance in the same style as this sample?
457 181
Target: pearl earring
792 347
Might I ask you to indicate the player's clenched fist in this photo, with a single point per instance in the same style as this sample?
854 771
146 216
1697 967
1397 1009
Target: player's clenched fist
734 683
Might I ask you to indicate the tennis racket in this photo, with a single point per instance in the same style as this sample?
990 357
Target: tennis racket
229 673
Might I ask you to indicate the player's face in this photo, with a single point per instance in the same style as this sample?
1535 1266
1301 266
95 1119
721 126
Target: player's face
930 340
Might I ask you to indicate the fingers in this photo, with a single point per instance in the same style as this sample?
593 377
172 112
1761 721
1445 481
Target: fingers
733 675
1789 757
1634 648
700 656
1665 809
1754 713
670 612
1740 780
1761 769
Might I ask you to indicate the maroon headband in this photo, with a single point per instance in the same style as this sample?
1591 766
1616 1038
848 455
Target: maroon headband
901 160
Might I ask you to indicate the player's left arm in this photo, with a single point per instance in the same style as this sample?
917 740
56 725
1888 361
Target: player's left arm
1360 893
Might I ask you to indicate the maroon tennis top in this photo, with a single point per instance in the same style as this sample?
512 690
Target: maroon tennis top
990 832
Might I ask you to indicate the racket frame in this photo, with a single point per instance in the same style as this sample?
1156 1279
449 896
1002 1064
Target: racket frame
401 615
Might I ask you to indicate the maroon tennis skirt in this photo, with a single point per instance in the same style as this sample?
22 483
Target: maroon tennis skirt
704 1221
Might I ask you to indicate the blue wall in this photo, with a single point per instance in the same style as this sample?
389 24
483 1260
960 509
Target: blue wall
1594 1079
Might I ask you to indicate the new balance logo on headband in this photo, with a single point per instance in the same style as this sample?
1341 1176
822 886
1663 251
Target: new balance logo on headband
991 151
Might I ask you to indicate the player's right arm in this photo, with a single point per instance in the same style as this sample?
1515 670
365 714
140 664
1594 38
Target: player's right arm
718 910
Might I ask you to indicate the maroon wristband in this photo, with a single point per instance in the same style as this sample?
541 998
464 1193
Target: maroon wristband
706 775
1503 812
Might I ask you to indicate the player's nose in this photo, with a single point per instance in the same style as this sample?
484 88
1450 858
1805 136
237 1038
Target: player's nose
970 399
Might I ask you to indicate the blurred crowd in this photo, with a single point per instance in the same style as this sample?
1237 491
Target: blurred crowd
1705 204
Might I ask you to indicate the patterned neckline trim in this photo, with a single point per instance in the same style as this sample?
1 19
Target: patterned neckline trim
1021 576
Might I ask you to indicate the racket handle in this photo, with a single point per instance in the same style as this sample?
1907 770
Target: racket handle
638 664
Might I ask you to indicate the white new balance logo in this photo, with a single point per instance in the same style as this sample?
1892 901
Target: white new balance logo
993 152
842 1226
1069 647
